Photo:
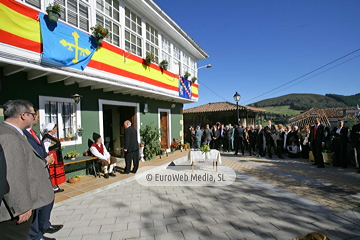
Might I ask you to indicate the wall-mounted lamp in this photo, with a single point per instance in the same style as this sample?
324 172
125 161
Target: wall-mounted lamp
76 97
173 105
146 108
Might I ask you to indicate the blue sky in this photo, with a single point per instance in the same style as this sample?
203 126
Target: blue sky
256 46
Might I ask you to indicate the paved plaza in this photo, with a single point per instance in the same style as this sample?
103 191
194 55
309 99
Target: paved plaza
270 199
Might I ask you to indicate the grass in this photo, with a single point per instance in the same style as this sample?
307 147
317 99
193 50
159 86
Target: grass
282 110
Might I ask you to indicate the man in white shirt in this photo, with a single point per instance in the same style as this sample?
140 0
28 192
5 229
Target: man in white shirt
99 150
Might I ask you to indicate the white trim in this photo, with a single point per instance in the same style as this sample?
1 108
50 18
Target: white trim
118 103
168 126
42 100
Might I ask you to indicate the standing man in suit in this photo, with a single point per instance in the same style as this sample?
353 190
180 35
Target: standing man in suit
252 139
131 148
239 140
340 143
260 141
207 134
198 136
269 130
28 182
317 142
355 141
41 219
216 135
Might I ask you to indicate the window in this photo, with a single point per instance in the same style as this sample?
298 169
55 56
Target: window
185 63
35 3
109 8
152 41
75 13
133 33
166 51
63 112
192 67
113 28
176 60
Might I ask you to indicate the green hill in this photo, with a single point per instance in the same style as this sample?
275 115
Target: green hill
304 101
281 108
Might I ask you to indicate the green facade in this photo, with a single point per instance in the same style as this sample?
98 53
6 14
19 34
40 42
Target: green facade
17 86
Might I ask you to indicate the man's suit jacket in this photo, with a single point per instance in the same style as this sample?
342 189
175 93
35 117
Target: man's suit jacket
320 134
355 135
268 131
39 147
131 143
208 134
27 176
343 134
3 183
239 133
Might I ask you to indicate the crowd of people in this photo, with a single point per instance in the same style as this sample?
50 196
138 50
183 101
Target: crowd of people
280 140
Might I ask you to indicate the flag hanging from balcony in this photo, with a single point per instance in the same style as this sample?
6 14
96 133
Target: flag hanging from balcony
185 88
64 45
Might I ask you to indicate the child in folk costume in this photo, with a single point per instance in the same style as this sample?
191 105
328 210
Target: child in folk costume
53 147
99 150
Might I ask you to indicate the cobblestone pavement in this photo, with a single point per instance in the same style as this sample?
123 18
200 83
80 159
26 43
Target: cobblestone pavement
270 199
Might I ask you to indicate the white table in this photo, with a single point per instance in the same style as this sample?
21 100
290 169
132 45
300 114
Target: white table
199 156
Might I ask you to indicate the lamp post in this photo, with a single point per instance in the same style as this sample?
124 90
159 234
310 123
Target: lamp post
237 99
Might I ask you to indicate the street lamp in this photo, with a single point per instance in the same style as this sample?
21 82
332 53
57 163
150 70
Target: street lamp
207 66
237 99
76 97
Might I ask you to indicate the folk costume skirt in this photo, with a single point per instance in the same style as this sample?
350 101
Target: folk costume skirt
56 170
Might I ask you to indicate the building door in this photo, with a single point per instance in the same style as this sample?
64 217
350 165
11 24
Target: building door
108 130
164 119
126 113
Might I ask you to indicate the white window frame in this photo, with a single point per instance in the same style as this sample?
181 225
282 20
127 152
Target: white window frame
166 51
65 9
133 34
152 41
185 63
43 99
105 23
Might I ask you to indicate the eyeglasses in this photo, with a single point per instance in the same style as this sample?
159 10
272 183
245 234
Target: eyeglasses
33 114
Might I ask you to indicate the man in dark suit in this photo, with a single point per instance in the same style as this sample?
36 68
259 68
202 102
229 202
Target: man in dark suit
252 139
261 141
239 136
131 148
41 218
355 141
340 143
269 130
317 142
27 175
216 135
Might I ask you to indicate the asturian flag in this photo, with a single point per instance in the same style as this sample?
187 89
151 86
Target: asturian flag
64 45
185 88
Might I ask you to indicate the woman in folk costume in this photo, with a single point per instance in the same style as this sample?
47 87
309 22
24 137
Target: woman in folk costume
53 146
99 150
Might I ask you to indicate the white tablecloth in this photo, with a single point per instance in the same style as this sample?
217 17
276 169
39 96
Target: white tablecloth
213 155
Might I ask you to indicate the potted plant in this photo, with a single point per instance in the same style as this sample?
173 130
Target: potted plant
193 79
74 179
174 146
187 75
80 131
150 136
99 32
68 136
149 58
164 64
72 155
53 11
